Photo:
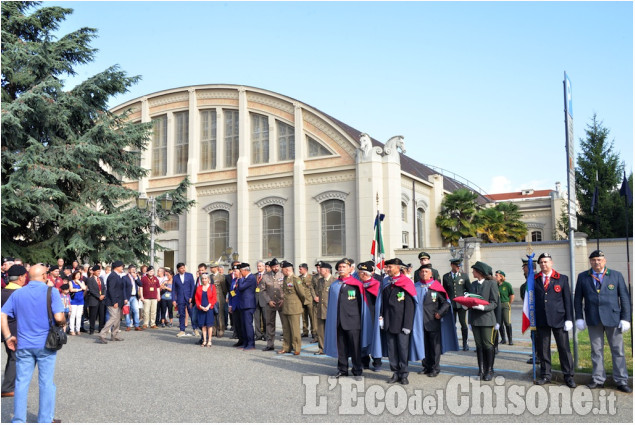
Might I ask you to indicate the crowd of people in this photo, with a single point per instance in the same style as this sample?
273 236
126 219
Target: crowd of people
358 312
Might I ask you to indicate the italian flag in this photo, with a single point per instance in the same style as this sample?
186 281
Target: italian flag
377 249
530 304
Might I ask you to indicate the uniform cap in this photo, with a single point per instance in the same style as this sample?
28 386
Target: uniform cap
16 270
397 261
597 253
424 255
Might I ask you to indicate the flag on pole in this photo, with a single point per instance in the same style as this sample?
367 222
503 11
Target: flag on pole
529 306
377 249
626 191
596 199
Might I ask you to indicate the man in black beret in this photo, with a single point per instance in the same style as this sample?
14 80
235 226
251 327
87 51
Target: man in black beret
607 310
554 314
271 290
455 284
16 277
7 262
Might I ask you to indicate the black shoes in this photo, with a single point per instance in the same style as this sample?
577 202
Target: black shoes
593 385
394 378
424 371
570 382
404 381
625 388
339 375
433 374
268 349
543 381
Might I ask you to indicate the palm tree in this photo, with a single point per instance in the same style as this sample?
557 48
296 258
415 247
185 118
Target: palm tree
501 224
456 218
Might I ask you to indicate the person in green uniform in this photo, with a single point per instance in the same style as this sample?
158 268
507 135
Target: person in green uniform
292 308
506 293
424 258
456 284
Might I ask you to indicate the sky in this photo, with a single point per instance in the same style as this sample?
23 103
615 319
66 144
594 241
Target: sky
475 88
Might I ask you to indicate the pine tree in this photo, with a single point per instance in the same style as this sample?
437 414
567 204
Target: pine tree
64 155
597 157
455 220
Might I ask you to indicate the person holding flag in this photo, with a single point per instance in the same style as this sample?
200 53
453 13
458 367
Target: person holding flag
377 248
348 328
528 267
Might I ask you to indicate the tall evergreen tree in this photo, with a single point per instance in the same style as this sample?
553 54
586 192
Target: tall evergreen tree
456 218
597 158
64 155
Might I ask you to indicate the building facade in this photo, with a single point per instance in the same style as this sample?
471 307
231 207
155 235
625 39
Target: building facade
275 177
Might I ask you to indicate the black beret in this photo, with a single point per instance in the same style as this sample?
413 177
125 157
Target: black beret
286 264
324 264
367 266
274 262
597 253
53 268
244 265
96 267
236 267
6 259
395 261
304 265
544 255
117 263
424 255
343 261
149 268
318 263
268 263
425 266
16 270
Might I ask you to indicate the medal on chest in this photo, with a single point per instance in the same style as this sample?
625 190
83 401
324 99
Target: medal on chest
351 295
401 295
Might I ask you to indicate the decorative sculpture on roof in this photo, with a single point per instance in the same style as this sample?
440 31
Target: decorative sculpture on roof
393 143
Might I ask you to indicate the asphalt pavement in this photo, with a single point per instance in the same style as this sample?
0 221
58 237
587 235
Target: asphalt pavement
154 377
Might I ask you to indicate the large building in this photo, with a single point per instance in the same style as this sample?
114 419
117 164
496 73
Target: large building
275 177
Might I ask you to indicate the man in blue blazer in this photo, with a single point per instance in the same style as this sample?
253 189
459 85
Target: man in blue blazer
183 292
247 293
607 309
554 314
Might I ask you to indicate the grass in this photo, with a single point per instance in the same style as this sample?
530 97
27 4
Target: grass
584 354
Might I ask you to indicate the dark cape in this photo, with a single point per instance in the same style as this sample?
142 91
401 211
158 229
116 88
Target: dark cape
415 350
330 327
449 340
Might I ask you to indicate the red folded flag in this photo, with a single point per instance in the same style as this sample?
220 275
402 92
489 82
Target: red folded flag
470 300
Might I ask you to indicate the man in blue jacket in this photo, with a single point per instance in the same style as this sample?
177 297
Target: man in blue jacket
183 292
247 292
607 310
115 300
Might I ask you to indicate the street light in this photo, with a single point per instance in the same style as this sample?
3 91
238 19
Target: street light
150 204
465 250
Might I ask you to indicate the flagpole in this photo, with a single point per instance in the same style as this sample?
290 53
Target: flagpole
628 259
597 211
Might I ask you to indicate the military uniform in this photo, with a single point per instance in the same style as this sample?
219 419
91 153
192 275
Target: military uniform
321 291
456 284
260 324
271 290
308 315
291 311
221 292
505 325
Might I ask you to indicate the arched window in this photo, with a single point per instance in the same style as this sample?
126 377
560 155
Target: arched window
259 139
272 231
420 227
219 233
404 212
536 236
333 228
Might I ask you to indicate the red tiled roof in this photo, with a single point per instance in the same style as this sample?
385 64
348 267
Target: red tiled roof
518 195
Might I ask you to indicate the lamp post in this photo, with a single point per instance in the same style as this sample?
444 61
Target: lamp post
150 205
464 251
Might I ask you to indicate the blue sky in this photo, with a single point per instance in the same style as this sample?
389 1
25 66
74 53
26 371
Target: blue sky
474 87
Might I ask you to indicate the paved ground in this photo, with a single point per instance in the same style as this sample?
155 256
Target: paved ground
154 377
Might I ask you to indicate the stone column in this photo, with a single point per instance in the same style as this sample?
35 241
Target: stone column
242 170
299 190
191 218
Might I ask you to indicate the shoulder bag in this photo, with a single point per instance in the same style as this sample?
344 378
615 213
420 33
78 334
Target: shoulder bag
56 337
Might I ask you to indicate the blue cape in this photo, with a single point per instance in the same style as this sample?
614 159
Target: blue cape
330 327
449 340
416 349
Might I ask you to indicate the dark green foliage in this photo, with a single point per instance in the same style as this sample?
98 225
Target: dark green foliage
501 223
597 156
456 218
64 155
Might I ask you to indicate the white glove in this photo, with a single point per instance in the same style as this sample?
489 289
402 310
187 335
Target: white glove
406 331
469 327
568 325
497 326
580 324
479 307
624 325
